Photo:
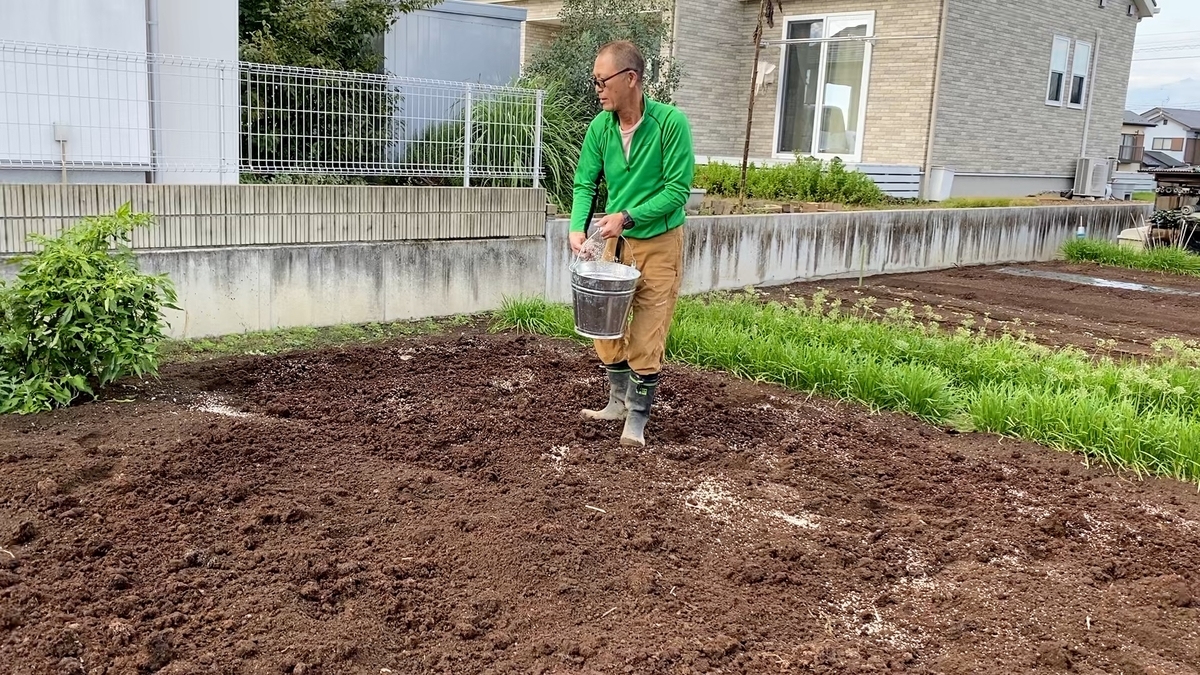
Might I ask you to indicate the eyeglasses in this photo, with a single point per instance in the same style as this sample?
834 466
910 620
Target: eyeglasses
600 84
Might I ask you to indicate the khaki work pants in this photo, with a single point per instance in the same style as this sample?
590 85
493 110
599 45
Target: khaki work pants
660 260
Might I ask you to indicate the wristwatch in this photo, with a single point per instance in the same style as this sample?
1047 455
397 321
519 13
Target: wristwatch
626 220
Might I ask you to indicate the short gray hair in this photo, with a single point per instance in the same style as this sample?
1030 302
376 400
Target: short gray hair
627 56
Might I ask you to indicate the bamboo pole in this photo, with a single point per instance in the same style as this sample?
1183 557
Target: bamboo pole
758 30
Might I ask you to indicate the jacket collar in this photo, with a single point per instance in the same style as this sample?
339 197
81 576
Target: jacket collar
645 110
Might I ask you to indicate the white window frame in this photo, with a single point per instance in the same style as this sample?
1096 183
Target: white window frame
1165 140
862 103
1064 92
1087 75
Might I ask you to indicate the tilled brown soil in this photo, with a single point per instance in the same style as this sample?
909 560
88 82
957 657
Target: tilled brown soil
436 506
1056 313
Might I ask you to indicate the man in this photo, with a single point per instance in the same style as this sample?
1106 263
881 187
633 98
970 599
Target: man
643 149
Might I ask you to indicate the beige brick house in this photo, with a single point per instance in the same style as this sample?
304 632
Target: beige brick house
1008 95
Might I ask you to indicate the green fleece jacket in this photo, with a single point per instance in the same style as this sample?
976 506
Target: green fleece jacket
652 185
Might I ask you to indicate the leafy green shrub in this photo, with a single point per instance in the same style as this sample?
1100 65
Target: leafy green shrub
79 315
809 180
586 25
1162 259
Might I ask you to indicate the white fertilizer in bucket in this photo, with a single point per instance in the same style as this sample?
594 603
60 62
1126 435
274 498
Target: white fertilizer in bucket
602 293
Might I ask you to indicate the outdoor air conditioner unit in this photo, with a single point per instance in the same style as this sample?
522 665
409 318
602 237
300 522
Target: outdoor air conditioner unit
1091 177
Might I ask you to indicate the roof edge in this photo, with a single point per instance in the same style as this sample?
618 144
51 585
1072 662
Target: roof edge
1146 8
1166 112
480 9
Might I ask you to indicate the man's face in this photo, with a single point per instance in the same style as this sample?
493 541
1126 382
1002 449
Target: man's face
615 86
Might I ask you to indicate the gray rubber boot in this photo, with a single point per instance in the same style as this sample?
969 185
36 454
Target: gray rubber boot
618 388
639 400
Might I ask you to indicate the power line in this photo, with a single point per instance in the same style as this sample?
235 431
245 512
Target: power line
1163 104
1165 48
1167 33
1166 58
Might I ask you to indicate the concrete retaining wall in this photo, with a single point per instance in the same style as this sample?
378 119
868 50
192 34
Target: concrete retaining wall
240 289
730 252
246 288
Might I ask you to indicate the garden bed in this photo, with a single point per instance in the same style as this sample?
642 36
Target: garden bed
436 505
1053 312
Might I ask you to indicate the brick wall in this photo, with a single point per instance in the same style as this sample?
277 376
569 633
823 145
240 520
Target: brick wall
537 36
714 50
992 116
716 53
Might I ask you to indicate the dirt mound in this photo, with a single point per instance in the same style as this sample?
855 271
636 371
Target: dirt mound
437 506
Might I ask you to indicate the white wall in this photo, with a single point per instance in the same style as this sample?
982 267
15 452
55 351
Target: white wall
196 111
104 102
1171 129
101 24
35 88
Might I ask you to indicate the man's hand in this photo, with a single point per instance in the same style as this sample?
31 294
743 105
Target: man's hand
577 239
612 225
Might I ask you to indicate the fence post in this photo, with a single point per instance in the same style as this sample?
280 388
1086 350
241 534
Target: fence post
537 141
467 142
221 122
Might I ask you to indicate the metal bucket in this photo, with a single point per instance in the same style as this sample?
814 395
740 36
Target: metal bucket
602 293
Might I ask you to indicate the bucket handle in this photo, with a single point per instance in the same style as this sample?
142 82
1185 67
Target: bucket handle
576 260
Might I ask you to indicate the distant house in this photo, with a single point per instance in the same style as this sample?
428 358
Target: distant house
1010 95
1174 134
1133 141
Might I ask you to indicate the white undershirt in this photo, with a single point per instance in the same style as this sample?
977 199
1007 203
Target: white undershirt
627 135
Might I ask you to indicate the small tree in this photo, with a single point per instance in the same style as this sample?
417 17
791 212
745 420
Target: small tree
588 24
766 18
79 316
282 115
329 34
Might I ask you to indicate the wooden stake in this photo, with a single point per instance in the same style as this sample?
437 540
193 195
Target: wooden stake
762 12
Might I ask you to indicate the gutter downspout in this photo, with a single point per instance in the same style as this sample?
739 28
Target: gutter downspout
1091 87
933 107
674 28
152 51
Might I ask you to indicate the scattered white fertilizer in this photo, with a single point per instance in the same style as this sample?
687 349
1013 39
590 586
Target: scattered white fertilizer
210 403
557 456
521 379
716 499
859 616
801 520
1169 516
712 498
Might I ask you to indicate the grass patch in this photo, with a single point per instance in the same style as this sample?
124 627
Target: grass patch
1144 196
265 343
986 202
1163 259
1142 415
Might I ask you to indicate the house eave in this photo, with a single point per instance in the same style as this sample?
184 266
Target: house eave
1146 8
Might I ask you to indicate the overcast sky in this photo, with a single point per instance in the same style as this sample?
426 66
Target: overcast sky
1160 77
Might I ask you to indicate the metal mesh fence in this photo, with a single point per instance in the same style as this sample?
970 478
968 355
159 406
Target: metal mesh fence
70 108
